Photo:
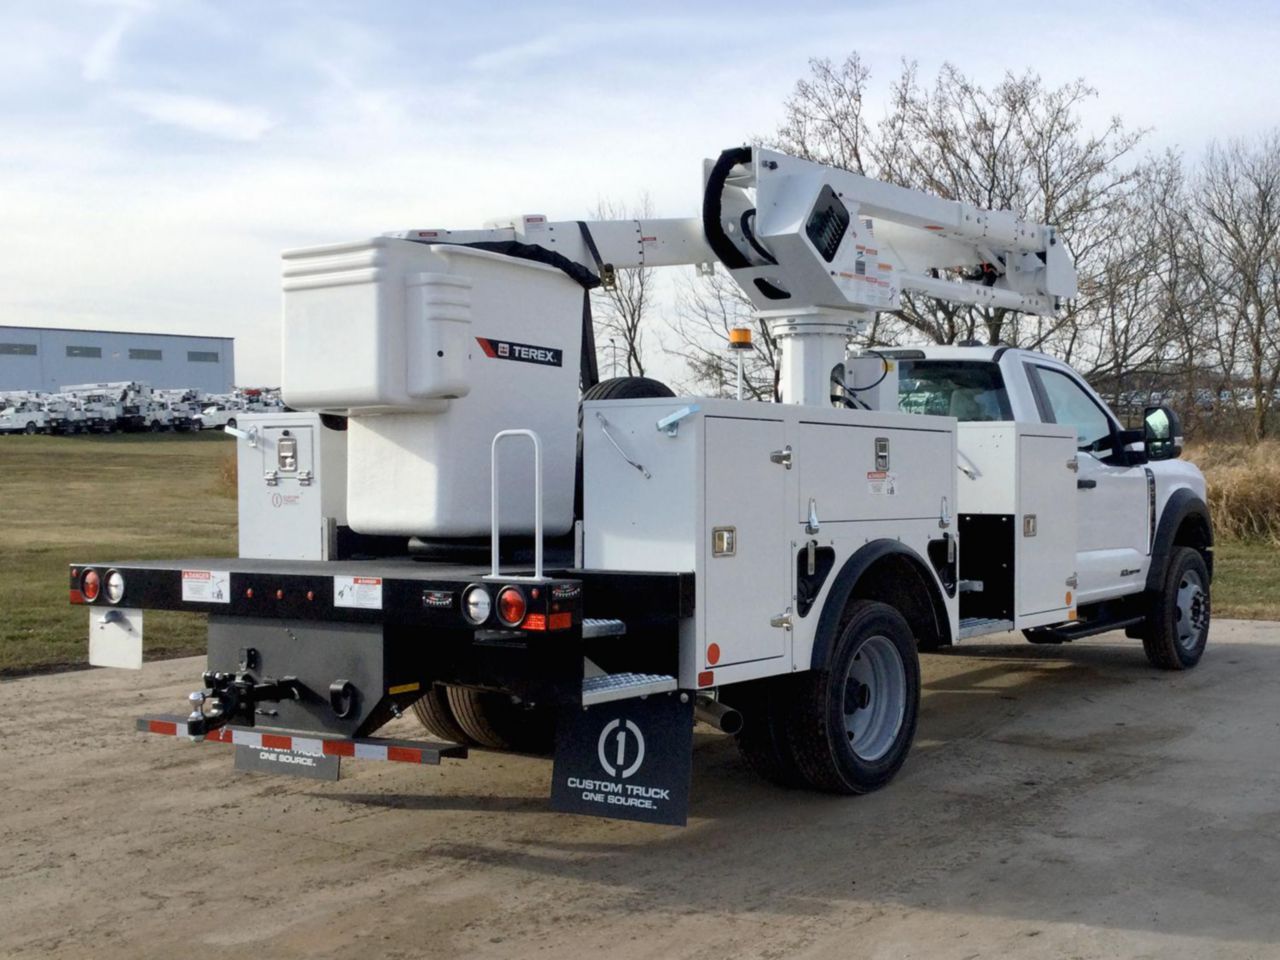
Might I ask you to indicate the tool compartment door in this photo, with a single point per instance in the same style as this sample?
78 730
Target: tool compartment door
744 494
1045 531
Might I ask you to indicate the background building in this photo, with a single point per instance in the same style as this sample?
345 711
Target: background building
40 358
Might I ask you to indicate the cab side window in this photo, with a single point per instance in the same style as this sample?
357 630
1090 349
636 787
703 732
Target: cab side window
1072 406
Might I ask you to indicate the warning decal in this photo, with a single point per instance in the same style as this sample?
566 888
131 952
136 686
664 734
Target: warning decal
361 593
881 483
206 586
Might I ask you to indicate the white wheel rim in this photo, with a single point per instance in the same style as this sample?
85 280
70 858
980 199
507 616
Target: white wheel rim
874 698
1191 611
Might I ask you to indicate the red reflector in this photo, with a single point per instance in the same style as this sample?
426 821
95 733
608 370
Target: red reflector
713 654
706 678
76 596
163 726
404 754
273 741
534 621
561 621
339 748
90 584
511 606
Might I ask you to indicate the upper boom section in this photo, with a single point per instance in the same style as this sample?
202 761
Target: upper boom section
800 236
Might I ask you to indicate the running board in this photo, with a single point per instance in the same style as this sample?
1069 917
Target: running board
979 626
1085 629
624 686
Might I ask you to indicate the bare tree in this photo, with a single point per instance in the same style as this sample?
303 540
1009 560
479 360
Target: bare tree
1236 214
620 310
707 308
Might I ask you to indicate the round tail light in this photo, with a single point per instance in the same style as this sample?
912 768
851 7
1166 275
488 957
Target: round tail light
476 604
511 606
90 585
115 586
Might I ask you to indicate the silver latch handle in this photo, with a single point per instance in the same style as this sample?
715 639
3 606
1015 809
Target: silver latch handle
782 620
812 525
782 456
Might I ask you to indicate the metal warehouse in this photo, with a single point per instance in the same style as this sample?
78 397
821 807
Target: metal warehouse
49 358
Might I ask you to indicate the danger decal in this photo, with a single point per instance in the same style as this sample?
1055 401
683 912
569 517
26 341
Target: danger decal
521 352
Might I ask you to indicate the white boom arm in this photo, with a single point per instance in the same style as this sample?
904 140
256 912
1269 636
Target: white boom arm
817 251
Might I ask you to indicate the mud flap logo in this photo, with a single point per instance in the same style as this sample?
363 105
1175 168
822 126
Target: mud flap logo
629 759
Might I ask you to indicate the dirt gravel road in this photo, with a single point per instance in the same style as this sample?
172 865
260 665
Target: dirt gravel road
1060 802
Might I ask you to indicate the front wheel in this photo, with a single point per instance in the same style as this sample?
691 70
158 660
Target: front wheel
1177 626
853 722
29 429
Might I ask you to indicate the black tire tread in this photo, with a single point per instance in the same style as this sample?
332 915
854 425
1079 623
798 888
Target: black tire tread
492 720
433 712
1158 641
762 743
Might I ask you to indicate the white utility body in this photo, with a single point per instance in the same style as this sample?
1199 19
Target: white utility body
774 567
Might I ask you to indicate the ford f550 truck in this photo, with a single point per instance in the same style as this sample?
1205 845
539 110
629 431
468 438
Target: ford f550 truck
461 521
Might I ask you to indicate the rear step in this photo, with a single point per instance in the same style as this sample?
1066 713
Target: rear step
623 686
370 748
980 626
602 628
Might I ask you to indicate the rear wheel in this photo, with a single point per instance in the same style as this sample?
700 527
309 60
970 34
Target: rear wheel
232 423
762 742
492 720
436 718
1177 626
852 723
30 428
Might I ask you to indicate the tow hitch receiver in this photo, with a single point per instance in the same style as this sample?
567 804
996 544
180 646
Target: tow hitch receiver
627 759
306 755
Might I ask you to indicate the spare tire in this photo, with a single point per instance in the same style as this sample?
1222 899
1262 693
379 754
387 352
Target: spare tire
616 388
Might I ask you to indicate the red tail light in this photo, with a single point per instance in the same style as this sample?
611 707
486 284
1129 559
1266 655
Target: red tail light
511 606
90 585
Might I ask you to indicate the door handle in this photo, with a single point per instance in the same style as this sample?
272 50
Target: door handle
1086 484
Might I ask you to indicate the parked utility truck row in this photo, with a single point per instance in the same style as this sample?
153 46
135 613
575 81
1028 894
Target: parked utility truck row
463 522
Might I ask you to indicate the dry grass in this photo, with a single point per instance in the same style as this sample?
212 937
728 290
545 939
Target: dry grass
227 481
1244 489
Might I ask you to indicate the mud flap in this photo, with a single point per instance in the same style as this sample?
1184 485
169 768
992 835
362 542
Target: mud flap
626 759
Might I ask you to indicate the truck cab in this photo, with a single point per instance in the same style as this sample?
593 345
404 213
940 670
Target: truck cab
1127 480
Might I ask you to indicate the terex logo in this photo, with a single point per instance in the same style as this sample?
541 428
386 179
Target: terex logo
523 352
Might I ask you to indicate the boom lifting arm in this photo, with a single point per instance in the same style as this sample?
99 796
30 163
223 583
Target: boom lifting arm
818 251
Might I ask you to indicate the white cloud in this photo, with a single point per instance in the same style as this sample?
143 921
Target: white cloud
216 118
99 62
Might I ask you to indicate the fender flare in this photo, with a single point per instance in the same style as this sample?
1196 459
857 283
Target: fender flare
842 588
1182 503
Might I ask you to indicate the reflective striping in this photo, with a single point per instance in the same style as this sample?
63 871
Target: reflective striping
405 688
402 751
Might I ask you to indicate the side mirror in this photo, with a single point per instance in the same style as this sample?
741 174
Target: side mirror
1163 432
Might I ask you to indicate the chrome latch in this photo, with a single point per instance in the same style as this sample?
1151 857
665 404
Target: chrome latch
1073 581
782 456
271 477
811 525
1074 464
304 478
782 620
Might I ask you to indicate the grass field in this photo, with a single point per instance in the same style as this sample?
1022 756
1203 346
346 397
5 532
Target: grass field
117 497
147 496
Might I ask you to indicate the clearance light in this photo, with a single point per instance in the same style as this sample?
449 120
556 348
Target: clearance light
90 585
511 606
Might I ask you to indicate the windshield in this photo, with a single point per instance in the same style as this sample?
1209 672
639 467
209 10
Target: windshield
965 389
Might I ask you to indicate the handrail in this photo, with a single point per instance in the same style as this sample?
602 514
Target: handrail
537 503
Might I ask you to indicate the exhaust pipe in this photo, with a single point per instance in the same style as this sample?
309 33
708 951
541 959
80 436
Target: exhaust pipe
716 714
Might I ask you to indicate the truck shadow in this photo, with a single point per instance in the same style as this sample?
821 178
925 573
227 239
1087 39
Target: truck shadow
1048 785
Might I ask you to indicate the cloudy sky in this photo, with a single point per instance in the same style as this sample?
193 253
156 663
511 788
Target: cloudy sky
155 157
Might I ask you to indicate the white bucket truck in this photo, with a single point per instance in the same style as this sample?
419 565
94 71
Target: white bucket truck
421 539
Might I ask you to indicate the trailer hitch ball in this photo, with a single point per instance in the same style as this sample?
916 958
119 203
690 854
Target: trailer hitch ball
195 722
342 698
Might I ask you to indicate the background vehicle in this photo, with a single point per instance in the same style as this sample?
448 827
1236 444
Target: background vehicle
773 568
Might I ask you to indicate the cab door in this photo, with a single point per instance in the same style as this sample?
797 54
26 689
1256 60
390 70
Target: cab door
1112 512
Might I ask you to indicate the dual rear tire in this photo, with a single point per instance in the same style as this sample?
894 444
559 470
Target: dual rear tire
846 728
483 718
